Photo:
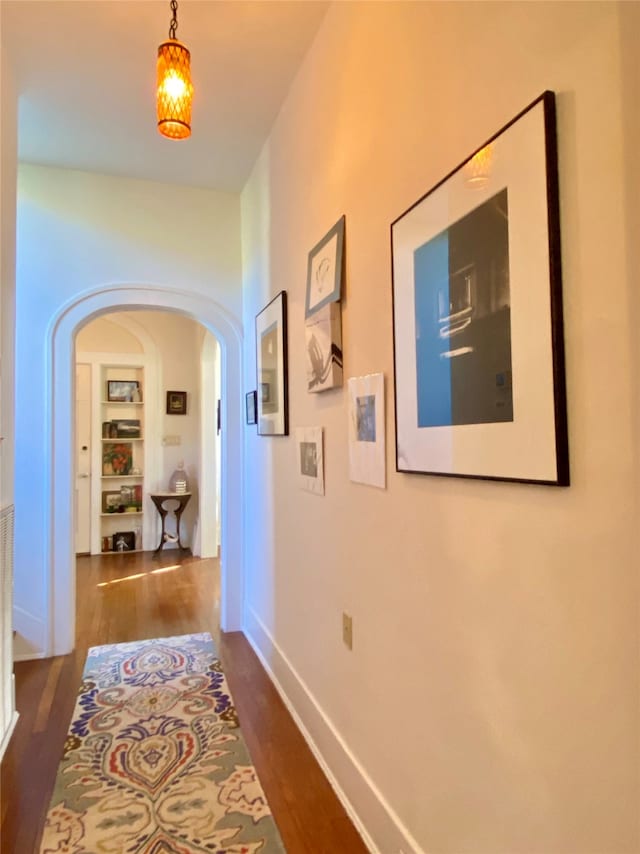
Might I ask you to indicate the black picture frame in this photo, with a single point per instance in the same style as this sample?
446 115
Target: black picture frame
122 391
251 407
128 540
271 367
176 403
325 266
477 314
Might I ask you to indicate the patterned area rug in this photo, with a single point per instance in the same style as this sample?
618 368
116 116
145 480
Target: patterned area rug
154 762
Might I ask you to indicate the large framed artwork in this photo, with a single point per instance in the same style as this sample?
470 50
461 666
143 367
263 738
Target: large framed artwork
271 368
477 314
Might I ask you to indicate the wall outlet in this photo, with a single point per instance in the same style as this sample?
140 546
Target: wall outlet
347 630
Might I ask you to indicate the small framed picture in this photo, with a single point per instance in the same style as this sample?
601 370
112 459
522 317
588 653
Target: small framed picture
366 430
310 459
111 500
324 269
123 391
176 403
124 541
271 368
251 407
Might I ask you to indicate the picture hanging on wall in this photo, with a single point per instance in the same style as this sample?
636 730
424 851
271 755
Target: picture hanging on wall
251 407
176 403
310 459
367 430
271 368
323 318
477 314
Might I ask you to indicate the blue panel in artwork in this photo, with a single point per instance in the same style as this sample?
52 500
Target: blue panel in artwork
433 374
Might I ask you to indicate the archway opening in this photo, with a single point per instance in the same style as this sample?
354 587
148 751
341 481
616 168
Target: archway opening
61 531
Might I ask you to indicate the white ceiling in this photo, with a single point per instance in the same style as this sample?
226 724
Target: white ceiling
85 74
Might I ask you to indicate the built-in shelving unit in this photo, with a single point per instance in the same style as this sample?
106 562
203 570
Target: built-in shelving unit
122 459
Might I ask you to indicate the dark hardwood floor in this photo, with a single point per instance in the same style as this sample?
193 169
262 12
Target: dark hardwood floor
131 597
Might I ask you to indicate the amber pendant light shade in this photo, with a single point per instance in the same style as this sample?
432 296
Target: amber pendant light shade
175 90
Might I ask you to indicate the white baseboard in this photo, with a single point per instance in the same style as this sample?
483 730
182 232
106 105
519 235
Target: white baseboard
7 736
375 820
30 640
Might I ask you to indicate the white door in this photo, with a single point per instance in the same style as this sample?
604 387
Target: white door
83 459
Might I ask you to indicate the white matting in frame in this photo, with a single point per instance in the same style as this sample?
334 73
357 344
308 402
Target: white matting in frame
367 430
477 300
310 459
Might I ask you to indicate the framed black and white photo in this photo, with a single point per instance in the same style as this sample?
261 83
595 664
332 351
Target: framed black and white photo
367 430
324 269
477 314
251 407
310 459
271 367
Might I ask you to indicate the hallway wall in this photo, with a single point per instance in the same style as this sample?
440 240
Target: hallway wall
490 703
78 232
8 171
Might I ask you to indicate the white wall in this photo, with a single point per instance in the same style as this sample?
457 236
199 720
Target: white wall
77 233
8 169
490 703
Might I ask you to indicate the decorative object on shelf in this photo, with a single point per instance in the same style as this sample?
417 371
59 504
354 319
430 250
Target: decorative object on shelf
310 459
107 544
124 541
116 458
174 87
271 367
179 482
110 501
136 395
122 391
367 430
176 403
323 317
127 428
477 315
251 407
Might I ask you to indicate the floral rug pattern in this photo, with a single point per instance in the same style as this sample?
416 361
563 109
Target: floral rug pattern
154 762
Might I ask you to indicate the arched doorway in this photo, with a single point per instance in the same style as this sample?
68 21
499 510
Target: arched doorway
60 537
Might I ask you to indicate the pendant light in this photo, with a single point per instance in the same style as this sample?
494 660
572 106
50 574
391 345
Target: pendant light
175 91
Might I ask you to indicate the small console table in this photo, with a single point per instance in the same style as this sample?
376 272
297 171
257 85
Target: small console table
160 499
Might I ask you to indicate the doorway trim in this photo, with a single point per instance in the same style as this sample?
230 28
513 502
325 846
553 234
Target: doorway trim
60 401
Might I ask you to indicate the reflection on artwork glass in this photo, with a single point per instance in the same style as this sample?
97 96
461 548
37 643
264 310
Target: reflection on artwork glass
366 418
268 369
309 459
463 320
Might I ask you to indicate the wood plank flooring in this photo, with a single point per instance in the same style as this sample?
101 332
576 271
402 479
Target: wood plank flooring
131 597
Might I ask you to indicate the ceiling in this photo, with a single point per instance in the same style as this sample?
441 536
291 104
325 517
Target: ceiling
85 75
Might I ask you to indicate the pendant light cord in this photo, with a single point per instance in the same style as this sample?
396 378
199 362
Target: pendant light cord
173 26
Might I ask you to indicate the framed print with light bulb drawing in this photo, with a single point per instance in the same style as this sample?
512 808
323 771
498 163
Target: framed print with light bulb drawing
323 319
271 368
477 314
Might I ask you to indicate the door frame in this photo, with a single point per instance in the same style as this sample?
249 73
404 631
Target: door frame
60 469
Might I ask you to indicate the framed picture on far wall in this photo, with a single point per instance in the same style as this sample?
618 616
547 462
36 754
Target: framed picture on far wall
271 368
176 403
477 314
